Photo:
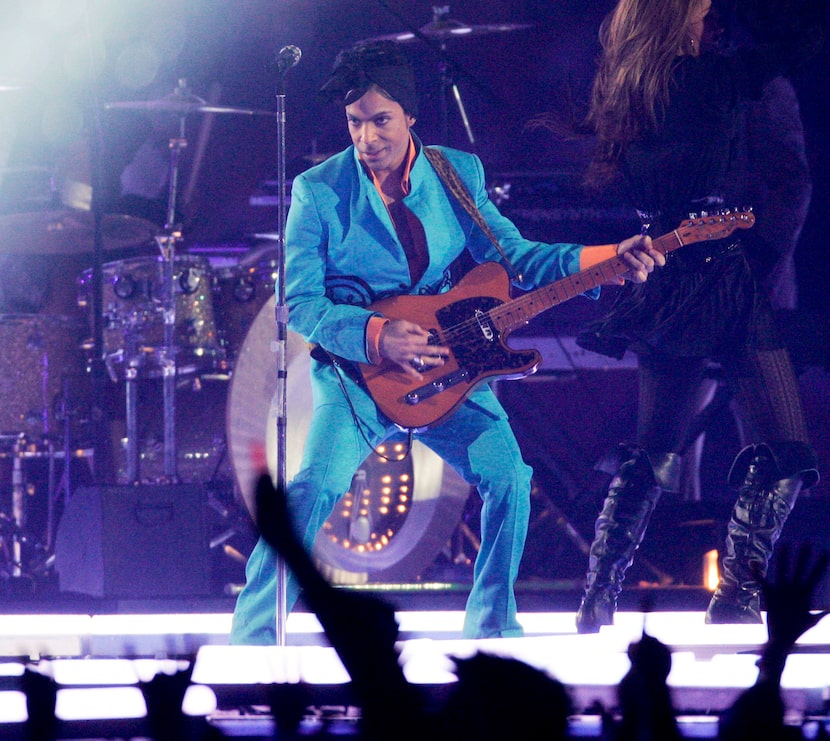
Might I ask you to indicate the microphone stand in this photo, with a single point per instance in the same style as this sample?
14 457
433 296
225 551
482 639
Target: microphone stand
281 318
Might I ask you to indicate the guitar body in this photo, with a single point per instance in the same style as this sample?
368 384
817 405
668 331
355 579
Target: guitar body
458 319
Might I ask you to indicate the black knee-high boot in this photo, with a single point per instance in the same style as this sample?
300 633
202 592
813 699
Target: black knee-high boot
769 479
633 493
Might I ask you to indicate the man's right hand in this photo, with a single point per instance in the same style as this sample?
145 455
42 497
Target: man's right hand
407 345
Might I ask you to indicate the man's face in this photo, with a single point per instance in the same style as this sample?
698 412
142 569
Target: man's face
379 128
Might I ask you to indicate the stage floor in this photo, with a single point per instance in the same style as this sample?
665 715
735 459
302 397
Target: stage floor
98 659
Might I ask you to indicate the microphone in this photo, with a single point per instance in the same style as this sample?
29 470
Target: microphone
288 56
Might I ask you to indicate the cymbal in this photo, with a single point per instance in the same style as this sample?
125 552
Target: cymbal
182 104
70 232
442 29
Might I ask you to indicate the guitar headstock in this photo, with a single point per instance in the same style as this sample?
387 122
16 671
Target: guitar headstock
716 225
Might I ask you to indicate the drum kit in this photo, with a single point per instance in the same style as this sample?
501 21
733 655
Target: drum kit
167 321
164 318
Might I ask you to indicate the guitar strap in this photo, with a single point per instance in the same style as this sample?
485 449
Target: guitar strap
456 186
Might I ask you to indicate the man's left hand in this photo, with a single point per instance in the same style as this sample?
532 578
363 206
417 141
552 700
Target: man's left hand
641 257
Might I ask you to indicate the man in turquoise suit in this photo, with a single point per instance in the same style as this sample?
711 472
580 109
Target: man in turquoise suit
377 221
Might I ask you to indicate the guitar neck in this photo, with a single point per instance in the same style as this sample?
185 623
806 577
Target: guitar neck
520 311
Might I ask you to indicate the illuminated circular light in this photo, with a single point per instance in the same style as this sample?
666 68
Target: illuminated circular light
382 502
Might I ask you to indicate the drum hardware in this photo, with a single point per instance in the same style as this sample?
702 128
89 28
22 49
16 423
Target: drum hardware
436 34
133 314
23 555
181 103
442 28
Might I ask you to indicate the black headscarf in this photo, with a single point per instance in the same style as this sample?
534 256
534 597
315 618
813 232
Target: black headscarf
368 63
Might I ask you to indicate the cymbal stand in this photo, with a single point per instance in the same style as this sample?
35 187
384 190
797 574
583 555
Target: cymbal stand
447 83
167 245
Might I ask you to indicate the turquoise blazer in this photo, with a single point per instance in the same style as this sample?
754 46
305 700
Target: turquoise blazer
342 252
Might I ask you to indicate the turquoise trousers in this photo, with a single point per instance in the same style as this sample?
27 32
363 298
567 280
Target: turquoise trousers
477 441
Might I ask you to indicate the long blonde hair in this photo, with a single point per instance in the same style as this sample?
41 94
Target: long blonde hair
642 41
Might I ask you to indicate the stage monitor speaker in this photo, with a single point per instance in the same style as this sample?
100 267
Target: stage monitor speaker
139 541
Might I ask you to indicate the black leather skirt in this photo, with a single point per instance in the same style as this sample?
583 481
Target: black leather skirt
705 302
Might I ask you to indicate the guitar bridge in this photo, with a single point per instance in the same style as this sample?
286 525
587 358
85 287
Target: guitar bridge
433 388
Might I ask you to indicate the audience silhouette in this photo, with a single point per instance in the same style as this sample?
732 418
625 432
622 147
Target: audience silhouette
759 711
494 697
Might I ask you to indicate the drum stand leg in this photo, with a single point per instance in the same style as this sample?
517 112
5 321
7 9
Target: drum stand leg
167 245
18 516
15 538
131 381
169 399
168 249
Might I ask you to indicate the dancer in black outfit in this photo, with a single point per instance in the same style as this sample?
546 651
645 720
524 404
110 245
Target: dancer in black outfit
664 115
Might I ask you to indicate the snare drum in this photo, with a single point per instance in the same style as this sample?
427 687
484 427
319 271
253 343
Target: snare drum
132 301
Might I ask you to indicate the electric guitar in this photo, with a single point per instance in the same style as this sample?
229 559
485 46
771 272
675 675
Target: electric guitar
476 316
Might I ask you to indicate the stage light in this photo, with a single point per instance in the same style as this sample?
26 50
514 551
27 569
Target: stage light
43 635
711 575
100 703
13 707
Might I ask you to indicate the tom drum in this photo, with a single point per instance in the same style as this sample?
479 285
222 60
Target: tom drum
133 317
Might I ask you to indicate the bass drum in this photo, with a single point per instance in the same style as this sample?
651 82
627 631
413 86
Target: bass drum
397 515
